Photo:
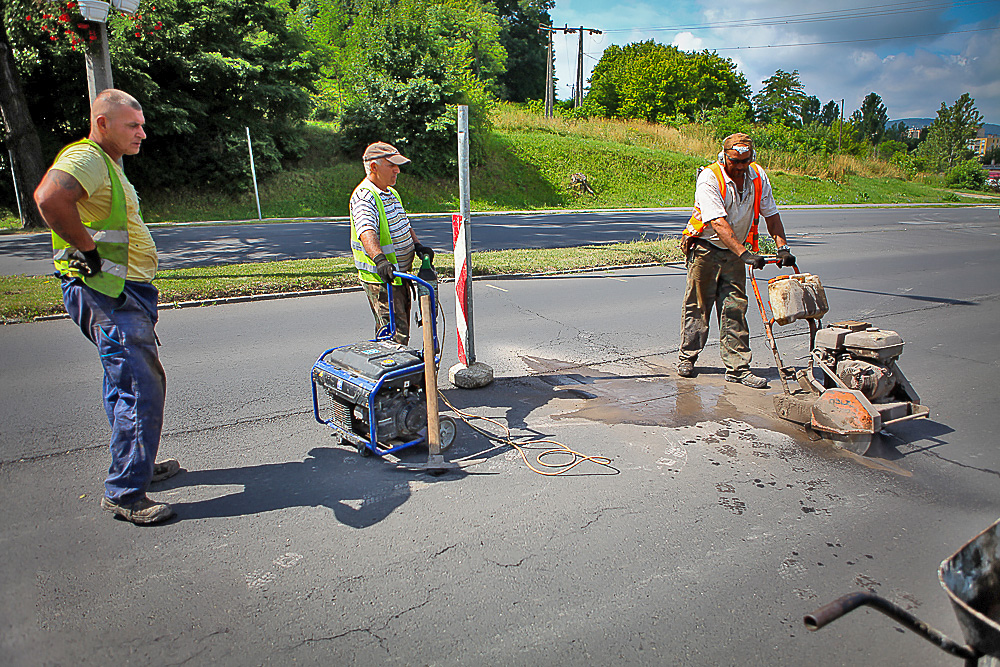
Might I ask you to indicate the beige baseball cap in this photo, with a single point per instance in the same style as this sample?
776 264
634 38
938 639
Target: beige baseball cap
739 142
380 149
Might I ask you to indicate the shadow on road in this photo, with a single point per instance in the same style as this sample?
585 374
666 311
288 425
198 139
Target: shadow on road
361 492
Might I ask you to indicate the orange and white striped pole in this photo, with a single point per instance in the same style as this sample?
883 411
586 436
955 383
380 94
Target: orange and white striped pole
463 291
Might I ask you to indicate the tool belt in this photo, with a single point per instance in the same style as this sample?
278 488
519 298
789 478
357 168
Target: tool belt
697 241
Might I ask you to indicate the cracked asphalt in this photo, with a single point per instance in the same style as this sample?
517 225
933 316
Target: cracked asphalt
714 530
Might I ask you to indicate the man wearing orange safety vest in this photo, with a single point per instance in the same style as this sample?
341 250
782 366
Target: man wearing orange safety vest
730 196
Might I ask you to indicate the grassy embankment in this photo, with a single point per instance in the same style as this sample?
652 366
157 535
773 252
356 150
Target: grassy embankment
528 164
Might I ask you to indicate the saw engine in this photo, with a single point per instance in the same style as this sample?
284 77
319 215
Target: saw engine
864 359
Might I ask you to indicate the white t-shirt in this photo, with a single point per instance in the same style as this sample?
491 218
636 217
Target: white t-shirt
737 208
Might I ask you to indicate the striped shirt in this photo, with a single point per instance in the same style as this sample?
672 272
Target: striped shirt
364 212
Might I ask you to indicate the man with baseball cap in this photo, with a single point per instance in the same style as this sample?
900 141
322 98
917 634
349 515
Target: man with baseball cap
730 195
382 240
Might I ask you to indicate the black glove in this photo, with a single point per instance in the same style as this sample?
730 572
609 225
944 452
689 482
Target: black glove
383 268
423 251
753 259
785 258
89 265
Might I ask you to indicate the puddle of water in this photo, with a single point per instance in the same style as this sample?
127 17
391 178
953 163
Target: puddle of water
657 397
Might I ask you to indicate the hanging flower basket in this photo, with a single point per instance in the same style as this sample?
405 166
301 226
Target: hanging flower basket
127 6
94 10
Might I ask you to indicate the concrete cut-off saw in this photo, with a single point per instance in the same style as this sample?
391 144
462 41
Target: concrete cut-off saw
860 389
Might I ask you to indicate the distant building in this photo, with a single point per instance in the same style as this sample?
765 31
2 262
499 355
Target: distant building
980 145
914 132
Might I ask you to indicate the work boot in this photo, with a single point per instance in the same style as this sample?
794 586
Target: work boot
165 470
685 368
142 512
748 379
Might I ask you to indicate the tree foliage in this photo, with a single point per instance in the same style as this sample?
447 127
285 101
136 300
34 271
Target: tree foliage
203 72
949 134
781 98
656 82
830 113
524 77
967 174
871 118
411 63
810 112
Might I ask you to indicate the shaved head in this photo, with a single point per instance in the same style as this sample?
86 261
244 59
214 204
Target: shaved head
116 122
109 101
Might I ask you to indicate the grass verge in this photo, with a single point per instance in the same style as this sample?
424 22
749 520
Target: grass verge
23 298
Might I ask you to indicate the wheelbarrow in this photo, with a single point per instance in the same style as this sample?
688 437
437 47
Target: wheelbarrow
971 578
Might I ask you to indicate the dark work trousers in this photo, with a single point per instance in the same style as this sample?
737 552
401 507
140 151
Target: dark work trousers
716 279
378 299
134 382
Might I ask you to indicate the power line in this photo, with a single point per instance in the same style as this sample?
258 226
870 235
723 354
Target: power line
851 41
811 17
841 41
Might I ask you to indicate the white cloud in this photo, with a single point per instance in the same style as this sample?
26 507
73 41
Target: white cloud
686 41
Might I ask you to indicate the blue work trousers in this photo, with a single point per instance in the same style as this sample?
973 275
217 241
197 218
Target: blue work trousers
134 382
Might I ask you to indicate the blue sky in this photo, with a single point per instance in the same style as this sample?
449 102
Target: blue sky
913 73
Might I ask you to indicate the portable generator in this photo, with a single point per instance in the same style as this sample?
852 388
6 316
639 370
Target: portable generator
376 388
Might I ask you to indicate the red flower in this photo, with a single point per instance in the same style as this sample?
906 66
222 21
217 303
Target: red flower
53 38
64 18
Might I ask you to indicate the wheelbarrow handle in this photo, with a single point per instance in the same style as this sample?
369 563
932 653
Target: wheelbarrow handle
848 603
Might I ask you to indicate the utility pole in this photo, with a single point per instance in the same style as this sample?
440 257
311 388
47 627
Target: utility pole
578 90
549 84
840 135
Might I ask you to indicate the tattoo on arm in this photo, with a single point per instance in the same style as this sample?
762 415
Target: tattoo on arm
64 181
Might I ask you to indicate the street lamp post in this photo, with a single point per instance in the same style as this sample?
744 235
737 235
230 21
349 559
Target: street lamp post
97 55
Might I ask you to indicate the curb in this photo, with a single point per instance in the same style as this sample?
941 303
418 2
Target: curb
273 296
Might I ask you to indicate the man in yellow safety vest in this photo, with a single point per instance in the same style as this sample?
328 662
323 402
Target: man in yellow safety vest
382 240
106 258
730 196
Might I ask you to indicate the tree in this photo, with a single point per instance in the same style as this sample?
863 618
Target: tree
810 110
524 76
968 175
656 82
871 118
781 99
203 72
20 135
951 131
992 156
411 63
830 113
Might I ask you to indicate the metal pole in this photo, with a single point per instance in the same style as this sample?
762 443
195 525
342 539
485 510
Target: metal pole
17 194
253 172
549 92
465 208
578 98
98 61
840 135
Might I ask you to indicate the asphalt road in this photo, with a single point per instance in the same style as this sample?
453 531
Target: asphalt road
722 527
206 245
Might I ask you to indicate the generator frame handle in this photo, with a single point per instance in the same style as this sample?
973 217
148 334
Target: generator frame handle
389 330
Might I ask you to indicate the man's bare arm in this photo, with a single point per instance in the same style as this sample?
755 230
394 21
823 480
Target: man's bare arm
369 241
725 232
776 229
56 197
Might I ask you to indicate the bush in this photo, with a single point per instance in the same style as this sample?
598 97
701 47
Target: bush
968 175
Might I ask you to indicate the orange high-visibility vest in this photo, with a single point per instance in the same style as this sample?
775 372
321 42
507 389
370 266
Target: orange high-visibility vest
696 225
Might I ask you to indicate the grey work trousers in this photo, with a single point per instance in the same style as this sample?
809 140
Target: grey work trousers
716 278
